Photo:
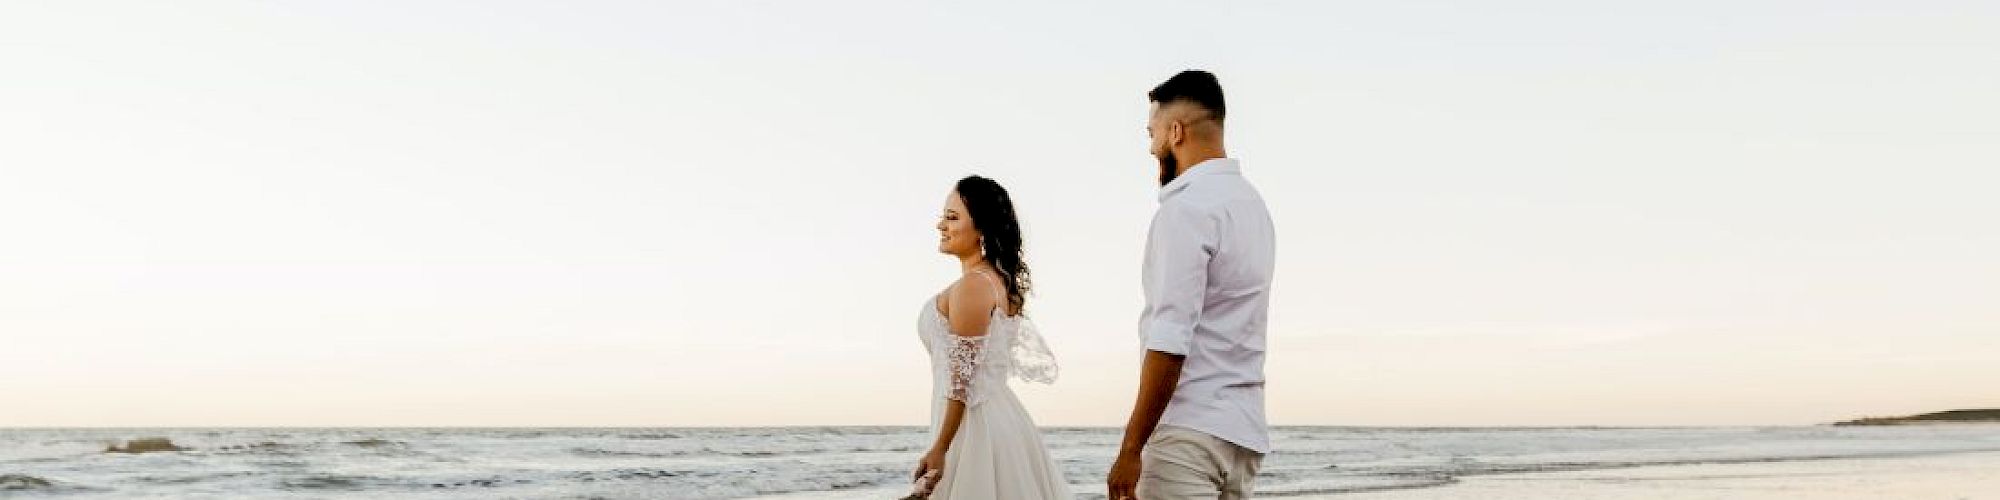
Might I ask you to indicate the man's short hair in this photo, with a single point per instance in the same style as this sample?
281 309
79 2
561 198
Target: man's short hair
1195 86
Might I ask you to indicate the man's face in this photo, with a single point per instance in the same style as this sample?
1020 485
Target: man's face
1161 130
1156 131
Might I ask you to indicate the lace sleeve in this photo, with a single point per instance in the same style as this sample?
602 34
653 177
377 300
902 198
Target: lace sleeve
1033 362
964 356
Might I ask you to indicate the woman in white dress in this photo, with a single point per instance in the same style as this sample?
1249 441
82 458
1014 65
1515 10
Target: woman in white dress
985 445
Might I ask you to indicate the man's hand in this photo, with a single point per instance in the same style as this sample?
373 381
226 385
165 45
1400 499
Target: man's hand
1124 477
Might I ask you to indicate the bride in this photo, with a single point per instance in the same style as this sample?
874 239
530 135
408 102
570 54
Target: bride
986 447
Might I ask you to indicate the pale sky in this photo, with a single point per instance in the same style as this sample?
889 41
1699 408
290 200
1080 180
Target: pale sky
697 214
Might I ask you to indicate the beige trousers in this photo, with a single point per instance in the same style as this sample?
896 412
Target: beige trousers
1181 463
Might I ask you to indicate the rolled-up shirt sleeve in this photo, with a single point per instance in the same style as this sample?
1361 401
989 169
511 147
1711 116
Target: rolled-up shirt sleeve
1175 275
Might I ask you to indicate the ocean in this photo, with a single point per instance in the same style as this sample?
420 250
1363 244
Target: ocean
846 462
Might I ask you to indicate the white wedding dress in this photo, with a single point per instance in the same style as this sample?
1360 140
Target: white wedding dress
998 452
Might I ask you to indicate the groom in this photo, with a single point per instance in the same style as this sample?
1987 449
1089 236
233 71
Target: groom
1197 430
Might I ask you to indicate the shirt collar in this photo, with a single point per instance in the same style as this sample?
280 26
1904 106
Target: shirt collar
1211 166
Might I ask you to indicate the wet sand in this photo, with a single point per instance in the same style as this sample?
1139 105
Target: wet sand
1960 476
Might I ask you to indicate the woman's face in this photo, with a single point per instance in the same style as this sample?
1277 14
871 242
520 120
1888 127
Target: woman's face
956 235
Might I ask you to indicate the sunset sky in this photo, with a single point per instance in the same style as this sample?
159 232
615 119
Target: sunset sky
720 213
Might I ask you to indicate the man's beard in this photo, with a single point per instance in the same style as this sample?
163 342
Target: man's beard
1167 164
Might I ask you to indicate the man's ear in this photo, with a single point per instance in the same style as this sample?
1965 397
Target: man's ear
1176 132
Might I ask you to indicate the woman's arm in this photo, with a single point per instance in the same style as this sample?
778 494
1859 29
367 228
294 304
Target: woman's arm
954 412
968 308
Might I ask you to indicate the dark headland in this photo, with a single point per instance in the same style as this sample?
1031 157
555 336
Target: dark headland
1951 416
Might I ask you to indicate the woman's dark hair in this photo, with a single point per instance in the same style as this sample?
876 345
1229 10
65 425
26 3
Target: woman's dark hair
992 214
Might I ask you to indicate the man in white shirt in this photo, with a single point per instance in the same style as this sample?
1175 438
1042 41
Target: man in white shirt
1198 429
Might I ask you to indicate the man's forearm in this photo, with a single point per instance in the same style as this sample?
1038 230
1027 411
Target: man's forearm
1159 374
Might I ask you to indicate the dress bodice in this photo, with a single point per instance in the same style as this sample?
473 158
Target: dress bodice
966 367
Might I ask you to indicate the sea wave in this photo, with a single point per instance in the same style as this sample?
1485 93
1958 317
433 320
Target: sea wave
333 482
24 483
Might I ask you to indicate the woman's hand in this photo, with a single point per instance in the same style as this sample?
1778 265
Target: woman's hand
925 478
933 461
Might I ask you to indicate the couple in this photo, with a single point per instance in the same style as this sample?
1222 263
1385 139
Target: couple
1197 429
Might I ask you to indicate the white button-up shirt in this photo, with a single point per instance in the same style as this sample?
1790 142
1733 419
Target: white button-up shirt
1209 260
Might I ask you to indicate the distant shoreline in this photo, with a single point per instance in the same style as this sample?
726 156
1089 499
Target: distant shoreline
1942 417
